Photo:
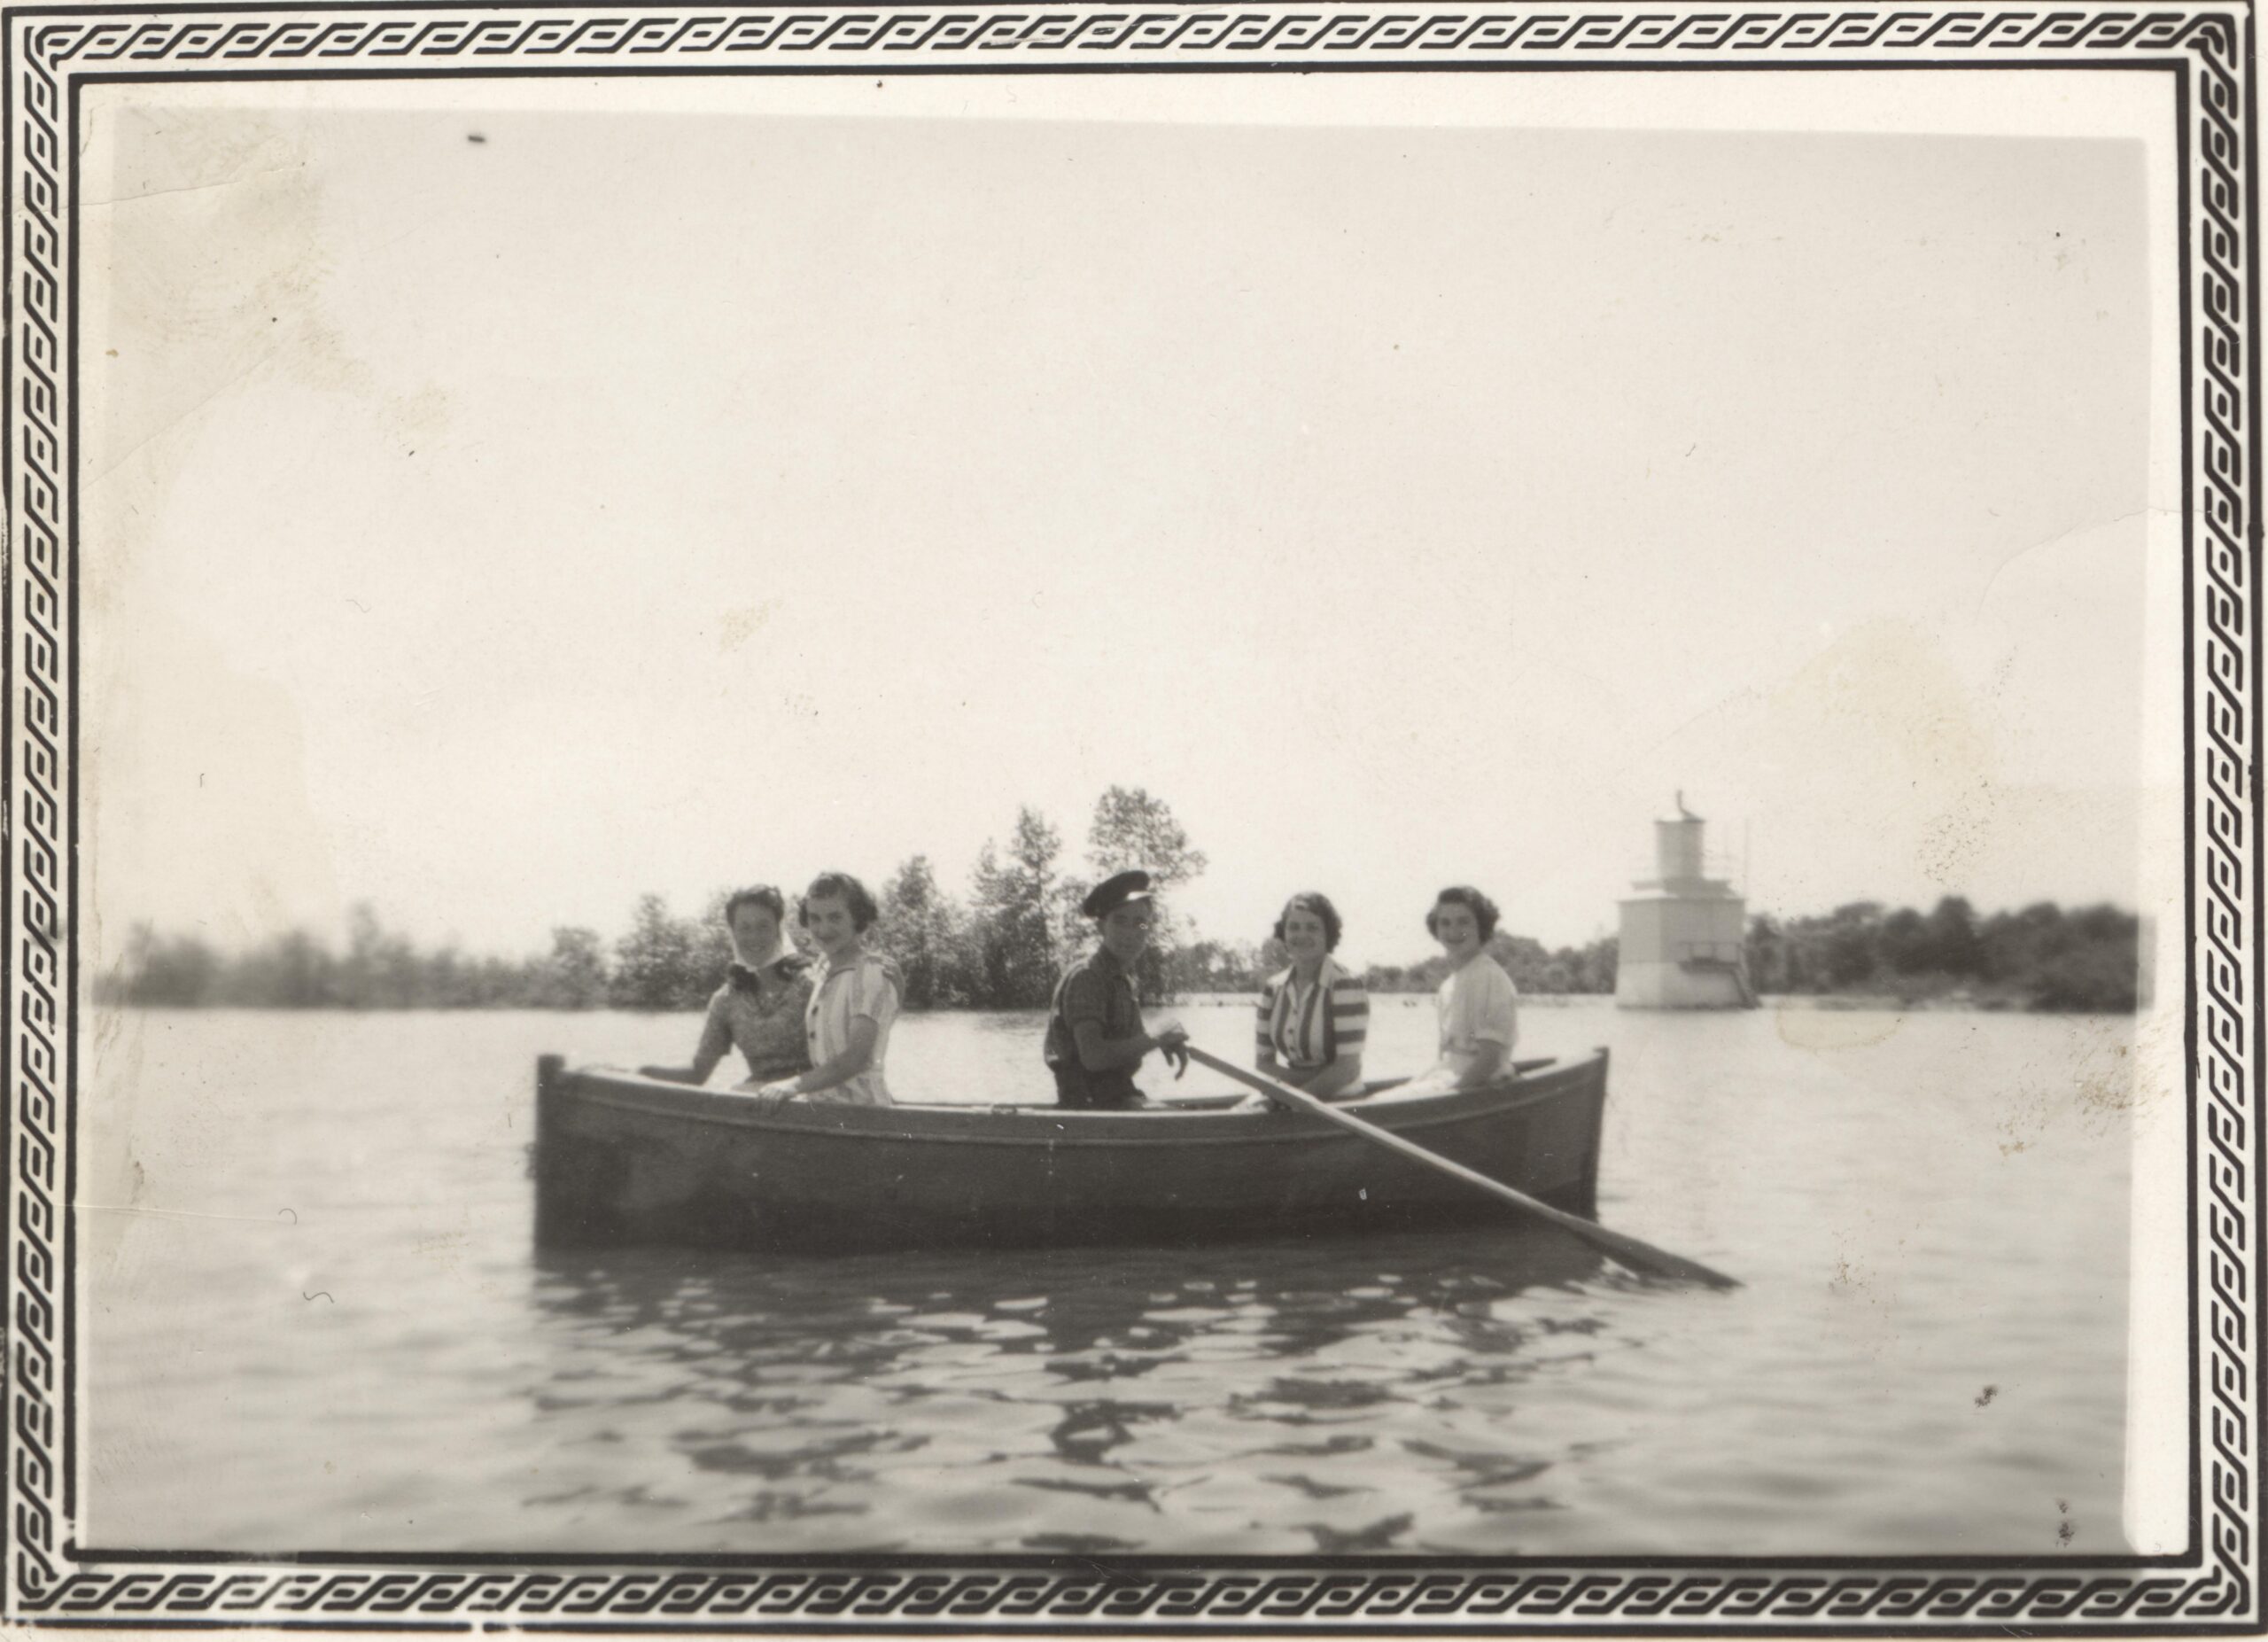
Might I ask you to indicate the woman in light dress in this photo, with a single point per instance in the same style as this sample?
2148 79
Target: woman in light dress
852 1005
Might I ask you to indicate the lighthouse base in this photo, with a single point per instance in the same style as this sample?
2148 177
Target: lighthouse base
1681 986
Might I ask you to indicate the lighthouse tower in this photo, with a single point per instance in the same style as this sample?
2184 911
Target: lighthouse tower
1681 931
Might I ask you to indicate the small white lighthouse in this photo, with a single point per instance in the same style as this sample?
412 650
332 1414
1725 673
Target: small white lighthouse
1682 932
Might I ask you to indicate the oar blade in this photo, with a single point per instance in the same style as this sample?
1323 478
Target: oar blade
1659 1263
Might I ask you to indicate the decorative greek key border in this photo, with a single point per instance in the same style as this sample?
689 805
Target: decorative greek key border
47 49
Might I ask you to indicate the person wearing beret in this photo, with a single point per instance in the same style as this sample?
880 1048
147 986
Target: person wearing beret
1095 1038
759 1009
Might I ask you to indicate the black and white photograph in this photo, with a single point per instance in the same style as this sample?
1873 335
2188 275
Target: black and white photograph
1173 819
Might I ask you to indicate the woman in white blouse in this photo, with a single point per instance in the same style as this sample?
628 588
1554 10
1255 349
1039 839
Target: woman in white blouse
1478 1006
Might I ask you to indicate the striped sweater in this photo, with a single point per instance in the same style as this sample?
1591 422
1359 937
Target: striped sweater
1304 1032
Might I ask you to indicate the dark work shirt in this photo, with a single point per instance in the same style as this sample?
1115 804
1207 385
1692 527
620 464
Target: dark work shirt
1096 989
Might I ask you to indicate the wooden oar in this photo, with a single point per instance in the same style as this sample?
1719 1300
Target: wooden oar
1642 1258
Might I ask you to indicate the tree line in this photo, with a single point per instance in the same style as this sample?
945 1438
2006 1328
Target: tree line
2037 957
1003 944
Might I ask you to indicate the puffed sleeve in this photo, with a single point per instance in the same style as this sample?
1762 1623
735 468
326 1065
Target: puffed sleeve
1496 1017
877 995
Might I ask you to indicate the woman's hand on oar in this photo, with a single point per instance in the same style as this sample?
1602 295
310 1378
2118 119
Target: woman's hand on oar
1642 1258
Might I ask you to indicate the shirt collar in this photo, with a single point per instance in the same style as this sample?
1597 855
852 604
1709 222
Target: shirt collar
1323 977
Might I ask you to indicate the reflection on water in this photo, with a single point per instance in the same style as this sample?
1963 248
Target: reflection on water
1088 1390
312 1320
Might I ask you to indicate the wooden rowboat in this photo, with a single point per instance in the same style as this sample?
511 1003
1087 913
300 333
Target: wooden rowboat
625 1159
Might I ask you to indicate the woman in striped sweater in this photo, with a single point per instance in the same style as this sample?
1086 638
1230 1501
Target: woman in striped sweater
1314 1015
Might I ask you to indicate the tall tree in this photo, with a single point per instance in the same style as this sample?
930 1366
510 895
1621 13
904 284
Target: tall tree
653 963
920 929
1599 965
1015 928
1129 829
988 897
1904 941
1953 943
1853 943
573 975
708 951
382 969
293 971
166 972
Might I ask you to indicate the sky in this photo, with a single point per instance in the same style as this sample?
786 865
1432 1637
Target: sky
497 513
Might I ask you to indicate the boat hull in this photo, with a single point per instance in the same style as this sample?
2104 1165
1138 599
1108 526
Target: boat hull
624 1159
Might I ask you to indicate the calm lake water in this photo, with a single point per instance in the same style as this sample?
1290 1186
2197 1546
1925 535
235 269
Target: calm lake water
313 1318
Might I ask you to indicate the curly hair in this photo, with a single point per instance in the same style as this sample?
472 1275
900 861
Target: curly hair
839 886
1316 902
1483 909
757 895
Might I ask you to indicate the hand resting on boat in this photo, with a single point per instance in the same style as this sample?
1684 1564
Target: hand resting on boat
1484 1063
1490 1066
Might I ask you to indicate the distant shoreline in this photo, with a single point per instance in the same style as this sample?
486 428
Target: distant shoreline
2040 959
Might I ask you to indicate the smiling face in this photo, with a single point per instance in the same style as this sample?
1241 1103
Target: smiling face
829 919
1126 930
756 934
1456 929
1305 935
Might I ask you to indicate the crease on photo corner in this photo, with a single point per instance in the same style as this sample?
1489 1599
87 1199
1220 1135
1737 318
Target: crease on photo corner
226 748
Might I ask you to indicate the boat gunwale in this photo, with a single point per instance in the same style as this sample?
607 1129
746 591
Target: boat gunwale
682 1103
